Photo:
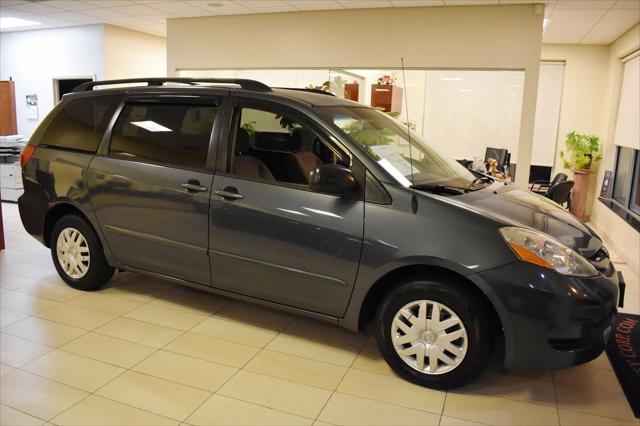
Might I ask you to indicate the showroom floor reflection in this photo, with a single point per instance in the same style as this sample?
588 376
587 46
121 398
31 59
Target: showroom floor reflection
144 351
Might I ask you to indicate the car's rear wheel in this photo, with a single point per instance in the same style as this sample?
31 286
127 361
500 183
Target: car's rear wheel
435 334
78 255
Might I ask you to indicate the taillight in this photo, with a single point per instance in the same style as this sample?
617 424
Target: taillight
26 155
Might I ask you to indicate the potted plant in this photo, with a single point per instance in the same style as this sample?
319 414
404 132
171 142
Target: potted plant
582 151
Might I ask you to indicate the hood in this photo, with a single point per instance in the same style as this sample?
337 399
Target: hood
518 206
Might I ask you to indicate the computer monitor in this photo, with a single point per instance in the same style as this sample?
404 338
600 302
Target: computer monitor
498 154
539 174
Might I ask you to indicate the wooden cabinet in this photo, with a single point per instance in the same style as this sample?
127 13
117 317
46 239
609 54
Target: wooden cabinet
8 123
352 91
386 96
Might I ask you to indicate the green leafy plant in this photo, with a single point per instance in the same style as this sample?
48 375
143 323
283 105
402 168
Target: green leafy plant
581 151
368 136
249 127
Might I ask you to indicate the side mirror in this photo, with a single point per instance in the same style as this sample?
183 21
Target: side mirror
332 179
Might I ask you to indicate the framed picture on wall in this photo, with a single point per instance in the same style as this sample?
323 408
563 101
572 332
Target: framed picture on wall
606 184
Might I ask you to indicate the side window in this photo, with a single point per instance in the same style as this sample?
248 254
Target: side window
81 123
276 147
175 134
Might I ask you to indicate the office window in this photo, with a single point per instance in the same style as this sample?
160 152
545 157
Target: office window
627 179
81 123
164 133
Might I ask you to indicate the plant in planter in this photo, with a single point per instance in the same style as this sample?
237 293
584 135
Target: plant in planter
582 151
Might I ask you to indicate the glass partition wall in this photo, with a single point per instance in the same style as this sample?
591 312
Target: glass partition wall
460 112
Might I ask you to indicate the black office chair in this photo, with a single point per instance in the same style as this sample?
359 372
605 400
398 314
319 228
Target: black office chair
543 187
560 177
561 193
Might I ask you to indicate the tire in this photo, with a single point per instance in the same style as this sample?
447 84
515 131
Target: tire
78 255
464 335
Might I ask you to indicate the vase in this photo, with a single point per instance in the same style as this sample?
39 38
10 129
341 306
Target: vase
579 193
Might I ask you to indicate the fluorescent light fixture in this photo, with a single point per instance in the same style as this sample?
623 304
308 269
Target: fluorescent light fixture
151 126
11 22
545 24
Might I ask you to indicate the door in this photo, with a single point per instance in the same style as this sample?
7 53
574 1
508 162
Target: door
151 191
271 237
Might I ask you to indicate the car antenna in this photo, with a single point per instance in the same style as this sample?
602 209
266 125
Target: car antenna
414 199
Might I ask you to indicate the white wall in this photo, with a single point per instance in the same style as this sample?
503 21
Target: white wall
463 37
130 54
34 58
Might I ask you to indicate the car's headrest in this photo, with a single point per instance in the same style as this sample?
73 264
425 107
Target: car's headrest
301 140
242 141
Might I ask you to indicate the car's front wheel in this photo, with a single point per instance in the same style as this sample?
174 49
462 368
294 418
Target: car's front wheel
78 255
434 334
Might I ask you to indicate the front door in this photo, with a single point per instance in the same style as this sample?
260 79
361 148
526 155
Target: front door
151 191
271 237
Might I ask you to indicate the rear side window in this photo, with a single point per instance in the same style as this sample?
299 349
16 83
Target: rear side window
174 134
81 123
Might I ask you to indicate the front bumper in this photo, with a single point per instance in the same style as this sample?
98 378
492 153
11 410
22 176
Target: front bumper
551 320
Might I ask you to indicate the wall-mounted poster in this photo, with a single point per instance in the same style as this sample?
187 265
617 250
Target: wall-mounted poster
32 106
606 183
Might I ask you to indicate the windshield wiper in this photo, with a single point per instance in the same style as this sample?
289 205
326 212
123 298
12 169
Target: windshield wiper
479 179
441 189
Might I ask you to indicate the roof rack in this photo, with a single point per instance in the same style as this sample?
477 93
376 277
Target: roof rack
242 82
300 89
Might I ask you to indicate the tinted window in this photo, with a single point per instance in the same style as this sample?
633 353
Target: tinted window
81 123
164 133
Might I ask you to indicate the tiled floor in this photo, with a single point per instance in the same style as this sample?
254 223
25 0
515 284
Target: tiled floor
146 352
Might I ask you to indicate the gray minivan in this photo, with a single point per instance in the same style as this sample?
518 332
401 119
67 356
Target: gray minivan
321 206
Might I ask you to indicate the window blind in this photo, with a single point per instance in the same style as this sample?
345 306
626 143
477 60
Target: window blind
628 123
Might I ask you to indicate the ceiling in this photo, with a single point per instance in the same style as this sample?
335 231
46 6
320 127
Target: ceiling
568 21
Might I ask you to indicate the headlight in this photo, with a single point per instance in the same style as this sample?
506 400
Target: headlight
543 250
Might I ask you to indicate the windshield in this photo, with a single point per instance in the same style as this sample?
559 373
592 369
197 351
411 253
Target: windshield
386 140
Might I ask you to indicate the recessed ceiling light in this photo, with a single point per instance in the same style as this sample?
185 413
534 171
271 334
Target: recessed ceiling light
11 22
214 4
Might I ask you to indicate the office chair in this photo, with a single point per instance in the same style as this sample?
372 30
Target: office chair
560 177
544 186
561 193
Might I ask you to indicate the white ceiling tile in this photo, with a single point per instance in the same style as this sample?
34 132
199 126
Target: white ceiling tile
36 8
469 2
70 16
606 31
625 14
314 4
70 5
160 18
418 3
104 13
253 4
585 4
137 10
567 31
361 4
108 3
218 7
627 4
174 7
581 15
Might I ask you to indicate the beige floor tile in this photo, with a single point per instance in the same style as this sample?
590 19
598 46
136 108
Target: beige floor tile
498 411
220 410
59 292
173 318
98 411
210 349
452 421
320 423
139 332
190 300
599 402
591 377
294 398
26 303
235 331
99 301
109 349
534 387
186 370
44 331
12 281
369 359
631 303
391 390
350 410
253 314
296 369
73 370
9 316
86 319
37 396
5 368
319 341
143 292
15 351
153 394
12 417
601 362
572 418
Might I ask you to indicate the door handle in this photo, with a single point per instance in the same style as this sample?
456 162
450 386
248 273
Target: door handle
229 193
193 185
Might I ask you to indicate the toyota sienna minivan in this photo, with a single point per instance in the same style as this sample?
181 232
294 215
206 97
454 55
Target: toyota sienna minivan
321 206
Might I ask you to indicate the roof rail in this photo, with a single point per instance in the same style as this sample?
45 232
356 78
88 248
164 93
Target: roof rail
301 89
159 81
